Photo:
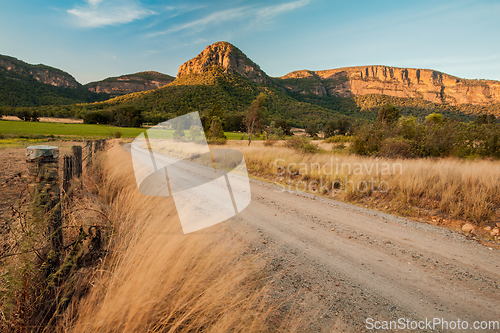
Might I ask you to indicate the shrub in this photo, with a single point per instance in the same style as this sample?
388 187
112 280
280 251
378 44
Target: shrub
367 141
302 144
270 142
117 134
217 141
396 147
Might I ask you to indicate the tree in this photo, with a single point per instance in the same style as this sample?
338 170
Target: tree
234 123
341 126
24 115
35 116
312 129
96 117
483 119
434 118
330 129
492 119
179 130
216 130
284 126
274 132
344 126
195 133
388 114
128 116
216 111
255 115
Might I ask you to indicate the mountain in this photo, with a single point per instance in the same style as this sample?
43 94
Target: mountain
212 86
130 83
41 73
229 58
223 74
23 84
421 84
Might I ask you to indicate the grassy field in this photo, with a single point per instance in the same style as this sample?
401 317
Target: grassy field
31 130
207 282
61 129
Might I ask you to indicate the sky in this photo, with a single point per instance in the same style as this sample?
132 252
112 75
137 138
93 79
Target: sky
95 39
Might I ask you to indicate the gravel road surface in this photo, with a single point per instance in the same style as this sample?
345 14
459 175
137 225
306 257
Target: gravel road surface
349 264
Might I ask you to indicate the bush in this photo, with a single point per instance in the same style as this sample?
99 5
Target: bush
367 141
117 134
217 141
396 147
270 142
302 144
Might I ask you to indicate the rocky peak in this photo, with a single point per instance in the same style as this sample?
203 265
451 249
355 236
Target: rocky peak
229 58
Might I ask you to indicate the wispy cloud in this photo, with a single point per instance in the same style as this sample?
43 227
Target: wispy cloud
240 13
272 11
214 18
100 13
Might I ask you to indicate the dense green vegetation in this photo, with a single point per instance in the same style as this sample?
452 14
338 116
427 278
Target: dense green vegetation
201 93
18 90
233 92
436 136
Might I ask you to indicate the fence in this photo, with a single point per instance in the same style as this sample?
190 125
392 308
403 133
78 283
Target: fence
43 166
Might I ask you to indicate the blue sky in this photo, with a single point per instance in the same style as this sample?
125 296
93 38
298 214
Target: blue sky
95 39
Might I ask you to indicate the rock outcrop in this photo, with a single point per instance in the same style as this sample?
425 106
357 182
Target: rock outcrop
426 84
130 83
41 73
229 58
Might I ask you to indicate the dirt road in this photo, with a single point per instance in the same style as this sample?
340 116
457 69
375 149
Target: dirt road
350 264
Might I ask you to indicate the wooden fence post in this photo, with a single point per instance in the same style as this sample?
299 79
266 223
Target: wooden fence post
77 151
43 166
89 153
68 171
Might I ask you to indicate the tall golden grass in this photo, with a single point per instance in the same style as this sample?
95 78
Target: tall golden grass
463 189
156 279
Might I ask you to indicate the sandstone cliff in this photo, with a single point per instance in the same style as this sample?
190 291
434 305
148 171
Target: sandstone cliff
41 73
229 58
426 84
130 83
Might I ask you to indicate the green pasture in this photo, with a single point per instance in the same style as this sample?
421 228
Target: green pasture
30 129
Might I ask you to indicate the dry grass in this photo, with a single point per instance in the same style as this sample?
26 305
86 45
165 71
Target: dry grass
49 120
157 279
461 189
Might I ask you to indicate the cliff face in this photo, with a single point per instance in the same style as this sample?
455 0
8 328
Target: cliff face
131 83
427 84
229 58
41 73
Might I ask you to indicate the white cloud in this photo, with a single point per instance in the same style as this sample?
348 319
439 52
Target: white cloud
94 2
112 12
214 18
241 13
272 11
